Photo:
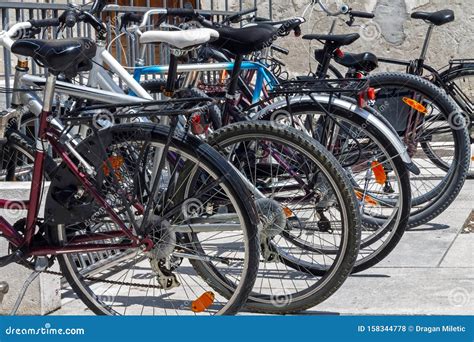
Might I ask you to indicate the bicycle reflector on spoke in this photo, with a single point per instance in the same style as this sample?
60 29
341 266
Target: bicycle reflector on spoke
415 105
288 212
116 162
199 124
203 302
379 172
367 199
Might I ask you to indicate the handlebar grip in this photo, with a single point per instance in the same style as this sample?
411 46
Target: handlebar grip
130 18
280 49
297 31
135 17
251 10
181 12
240 14
70 19
44 22
359 14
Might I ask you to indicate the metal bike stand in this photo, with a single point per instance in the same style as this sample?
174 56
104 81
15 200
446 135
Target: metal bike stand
3 290
41 265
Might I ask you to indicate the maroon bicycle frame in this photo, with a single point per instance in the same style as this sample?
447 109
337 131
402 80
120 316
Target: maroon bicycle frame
47 134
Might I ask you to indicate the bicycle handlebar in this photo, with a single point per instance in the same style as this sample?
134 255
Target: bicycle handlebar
342 10
181 12
151 12
345 9
97 7
237 16
44 22
69 18
360 14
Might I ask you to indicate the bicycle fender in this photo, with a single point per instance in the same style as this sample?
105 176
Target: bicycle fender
367 114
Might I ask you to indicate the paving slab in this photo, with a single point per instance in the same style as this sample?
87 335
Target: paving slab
405 291
461 253
431 272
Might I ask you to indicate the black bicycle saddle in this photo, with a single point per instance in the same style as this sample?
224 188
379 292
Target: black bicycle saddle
68 56
438 18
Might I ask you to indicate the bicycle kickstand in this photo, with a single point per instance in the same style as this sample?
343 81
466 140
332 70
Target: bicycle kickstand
40 266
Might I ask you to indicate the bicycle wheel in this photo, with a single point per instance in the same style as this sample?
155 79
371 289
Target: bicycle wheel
309 233
17 155
460 82
161 280
357 144
433 129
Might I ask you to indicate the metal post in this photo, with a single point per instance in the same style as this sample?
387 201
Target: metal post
3 290
426 42
6 58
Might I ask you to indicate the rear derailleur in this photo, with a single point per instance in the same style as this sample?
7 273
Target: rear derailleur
164 274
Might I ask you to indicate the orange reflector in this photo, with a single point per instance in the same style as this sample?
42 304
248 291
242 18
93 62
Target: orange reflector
115 161
472 158
287 211
379 172
203 302
415 105
223 76
367 198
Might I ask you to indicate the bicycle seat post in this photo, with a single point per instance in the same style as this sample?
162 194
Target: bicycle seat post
424 50
49 93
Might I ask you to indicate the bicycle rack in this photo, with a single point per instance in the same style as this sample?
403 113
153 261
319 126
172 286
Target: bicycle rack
309 85
3 290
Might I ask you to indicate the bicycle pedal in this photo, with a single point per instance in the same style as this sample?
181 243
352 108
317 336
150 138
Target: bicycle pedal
8 118
11 258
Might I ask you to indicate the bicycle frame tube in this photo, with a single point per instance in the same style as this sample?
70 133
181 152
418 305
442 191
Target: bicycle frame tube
49 135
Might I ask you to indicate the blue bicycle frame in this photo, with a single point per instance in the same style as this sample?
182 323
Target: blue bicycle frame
264 76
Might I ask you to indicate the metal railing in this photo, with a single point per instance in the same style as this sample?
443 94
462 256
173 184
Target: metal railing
22 11
89 263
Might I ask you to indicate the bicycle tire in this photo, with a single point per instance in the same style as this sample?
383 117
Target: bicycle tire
398 224
443 195
333 277
199 150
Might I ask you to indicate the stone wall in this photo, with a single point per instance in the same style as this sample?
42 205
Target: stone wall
391 34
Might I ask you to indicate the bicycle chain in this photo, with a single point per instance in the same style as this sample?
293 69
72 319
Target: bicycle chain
106 281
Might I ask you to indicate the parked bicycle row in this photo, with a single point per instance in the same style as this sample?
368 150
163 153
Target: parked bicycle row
220 185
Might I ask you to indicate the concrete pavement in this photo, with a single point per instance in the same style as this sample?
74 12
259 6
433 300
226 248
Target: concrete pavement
431 272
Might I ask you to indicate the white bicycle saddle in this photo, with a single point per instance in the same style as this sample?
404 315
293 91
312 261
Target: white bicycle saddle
180 39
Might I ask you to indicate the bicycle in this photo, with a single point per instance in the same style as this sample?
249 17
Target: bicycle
333 271
96 185
419 111
385 227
